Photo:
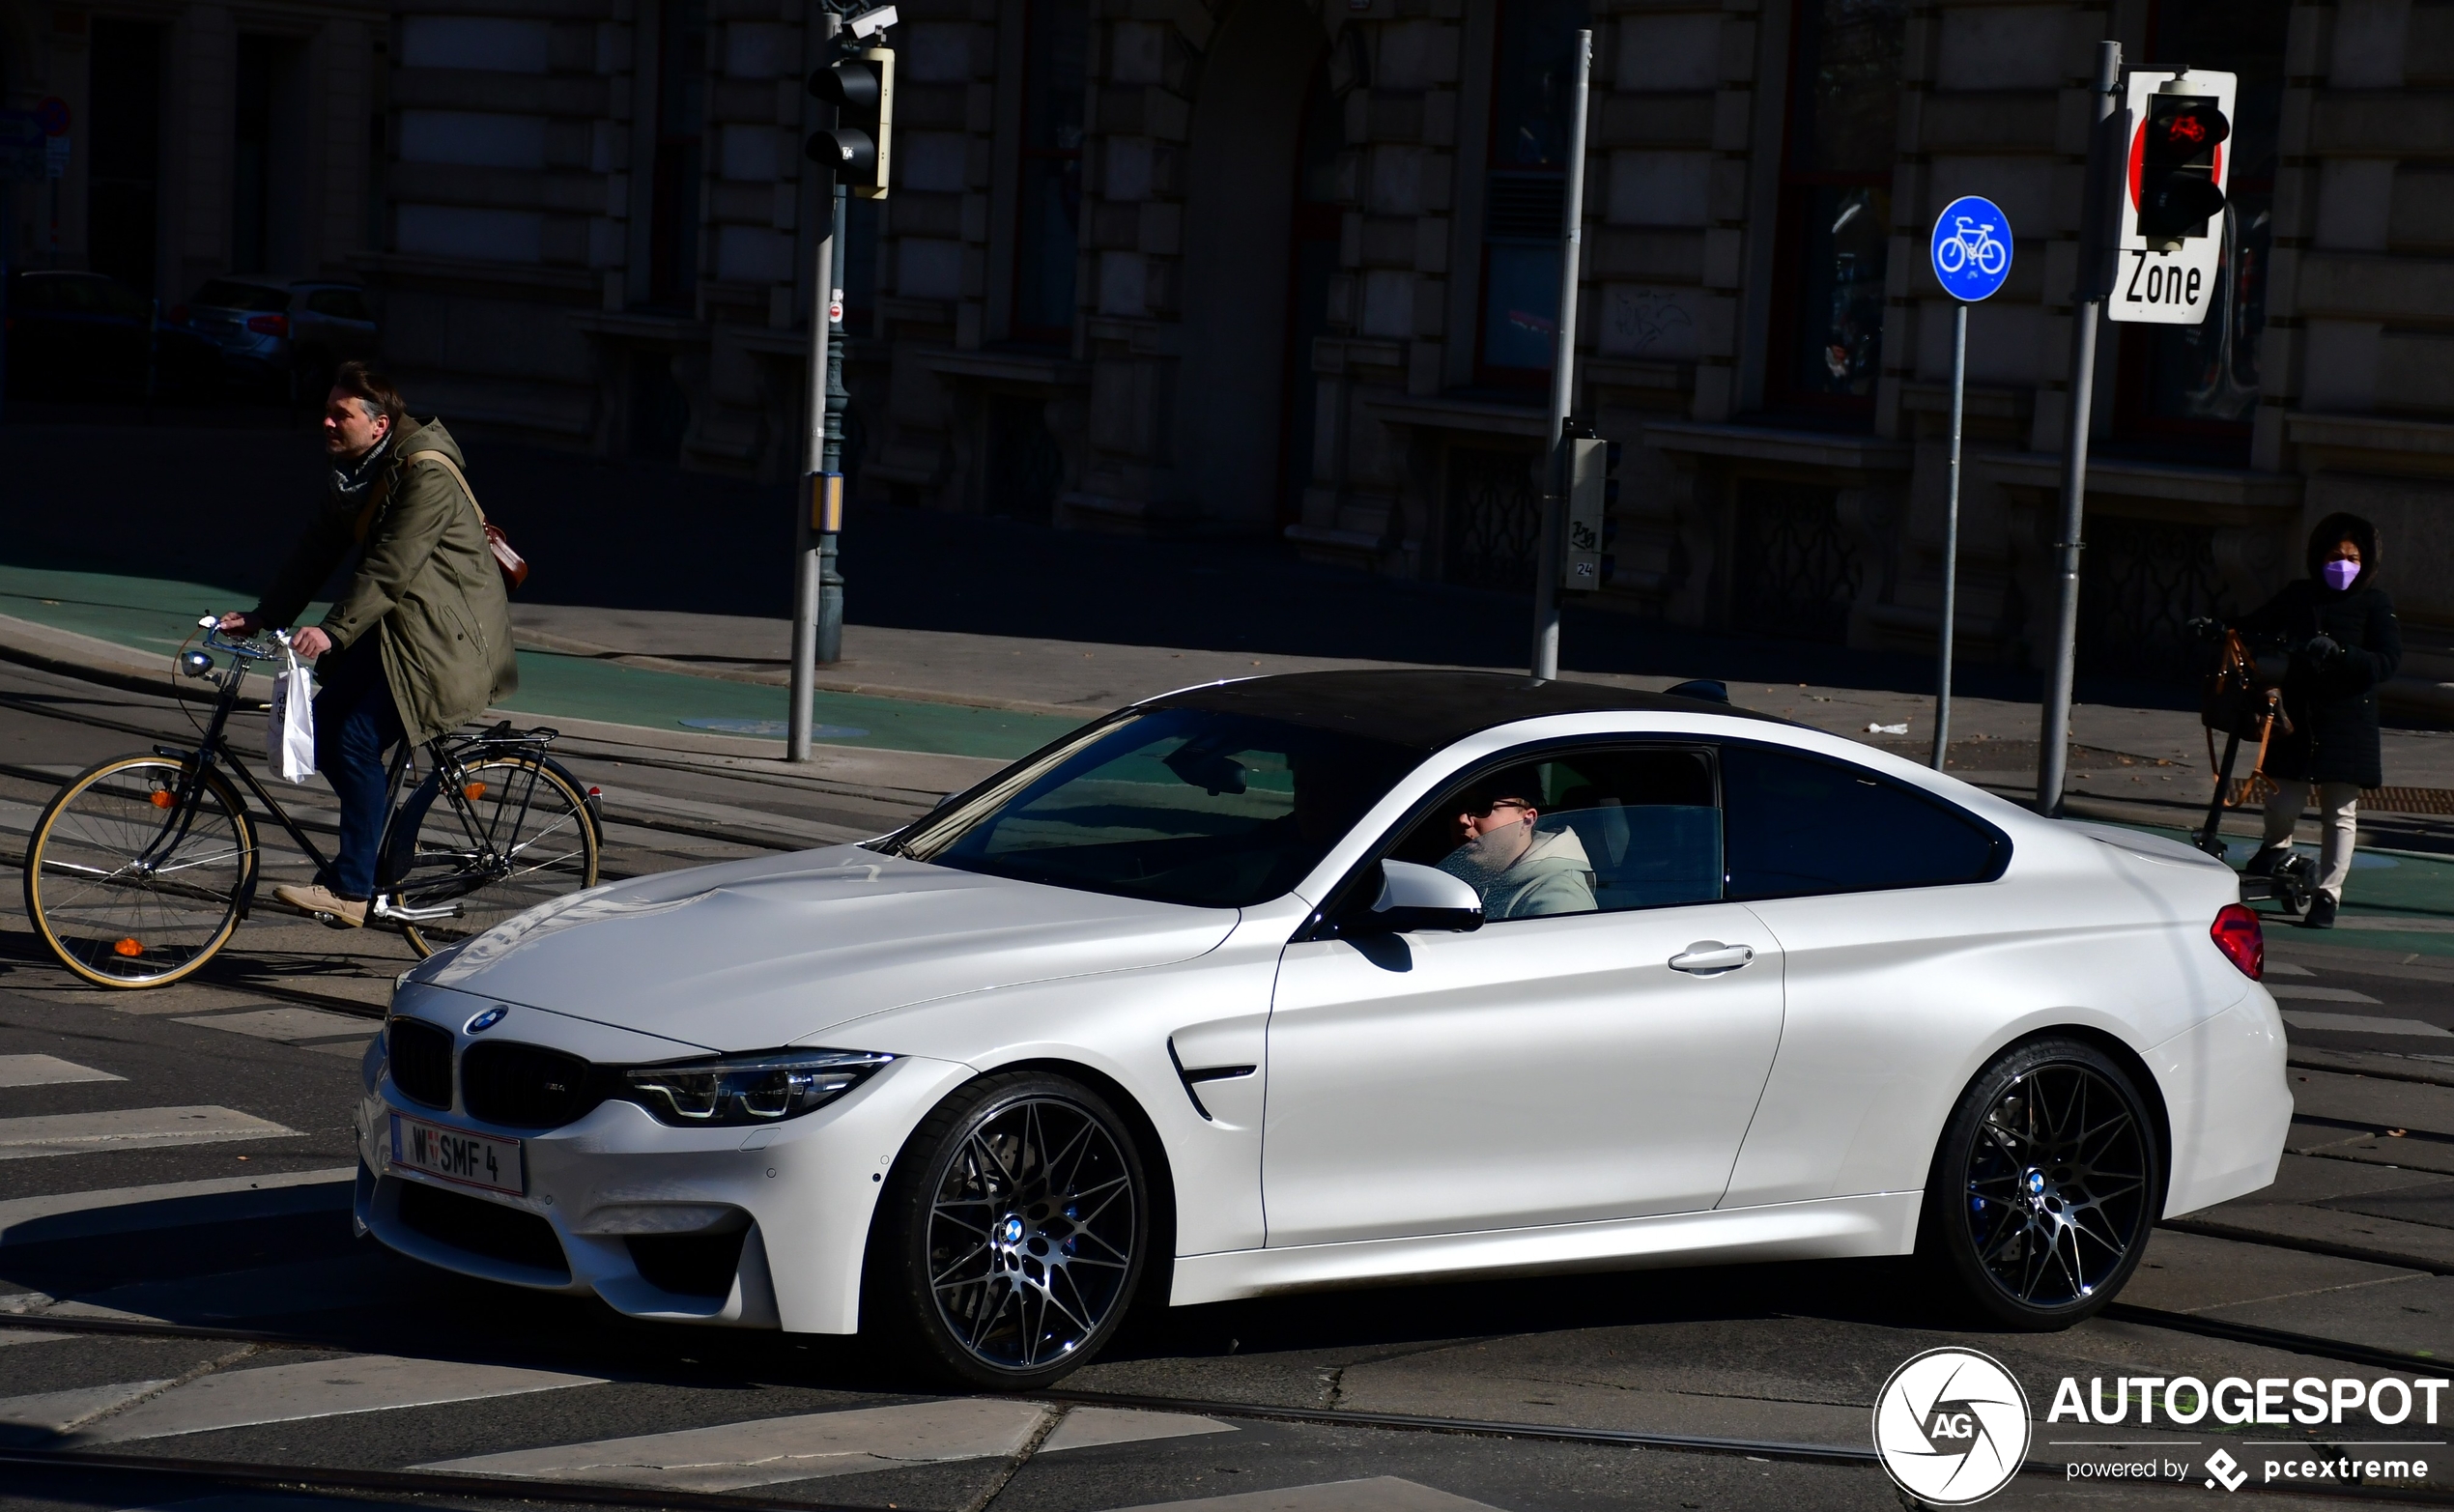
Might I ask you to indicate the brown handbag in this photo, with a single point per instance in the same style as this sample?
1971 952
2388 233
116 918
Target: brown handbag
2241 702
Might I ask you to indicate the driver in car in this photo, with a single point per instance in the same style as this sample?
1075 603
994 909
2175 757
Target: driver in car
1522 873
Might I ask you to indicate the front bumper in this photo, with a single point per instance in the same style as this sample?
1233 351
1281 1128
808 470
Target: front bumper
742 1227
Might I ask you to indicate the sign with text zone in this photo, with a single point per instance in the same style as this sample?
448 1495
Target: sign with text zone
2171 235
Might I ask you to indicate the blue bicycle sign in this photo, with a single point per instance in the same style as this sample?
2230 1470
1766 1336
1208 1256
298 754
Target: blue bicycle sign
1972 248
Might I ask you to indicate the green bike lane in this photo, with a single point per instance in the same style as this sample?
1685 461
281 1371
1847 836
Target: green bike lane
156 616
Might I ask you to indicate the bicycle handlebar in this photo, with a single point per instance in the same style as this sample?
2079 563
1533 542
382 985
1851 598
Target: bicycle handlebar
262 648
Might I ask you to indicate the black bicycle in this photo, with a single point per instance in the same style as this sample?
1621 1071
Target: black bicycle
140 870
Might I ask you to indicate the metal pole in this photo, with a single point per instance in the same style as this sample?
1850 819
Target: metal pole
2053 737
1563 380
1950 540
806 565
831 579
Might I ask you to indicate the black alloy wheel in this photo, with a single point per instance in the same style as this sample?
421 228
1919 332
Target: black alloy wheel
1013 1234
2047 1181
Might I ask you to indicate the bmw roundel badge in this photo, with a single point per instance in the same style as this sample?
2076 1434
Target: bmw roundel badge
487 1019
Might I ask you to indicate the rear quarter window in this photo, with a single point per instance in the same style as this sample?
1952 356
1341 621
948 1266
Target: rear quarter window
1795 825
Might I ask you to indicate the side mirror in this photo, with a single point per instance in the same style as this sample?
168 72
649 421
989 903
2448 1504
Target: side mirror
1418 898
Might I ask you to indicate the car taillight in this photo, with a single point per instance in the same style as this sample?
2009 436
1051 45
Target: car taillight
268 325
2237 933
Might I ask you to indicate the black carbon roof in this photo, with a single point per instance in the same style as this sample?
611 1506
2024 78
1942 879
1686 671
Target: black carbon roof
1426 709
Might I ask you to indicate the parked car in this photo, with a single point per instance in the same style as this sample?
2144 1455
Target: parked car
85 336
282 334
1234 992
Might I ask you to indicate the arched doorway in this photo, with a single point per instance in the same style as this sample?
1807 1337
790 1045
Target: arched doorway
1240 220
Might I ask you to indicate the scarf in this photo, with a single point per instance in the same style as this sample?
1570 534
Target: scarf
352 480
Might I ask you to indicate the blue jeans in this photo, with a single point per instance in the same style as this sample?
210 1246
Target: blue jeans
355 724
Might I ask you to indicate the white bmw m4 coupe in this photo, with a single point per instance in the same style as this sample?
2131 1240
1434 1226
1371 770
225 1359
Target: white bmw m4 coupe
1336 978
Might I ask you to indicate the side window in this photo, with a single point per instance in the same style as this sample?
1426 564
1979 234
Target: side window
1579 831
1799 824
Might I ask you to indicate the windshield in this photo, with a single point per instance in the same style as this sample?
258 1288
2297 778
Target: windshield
1179 806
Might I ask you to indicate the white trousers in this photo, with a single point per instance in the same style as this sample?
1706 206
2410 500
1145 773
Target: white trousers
2338 815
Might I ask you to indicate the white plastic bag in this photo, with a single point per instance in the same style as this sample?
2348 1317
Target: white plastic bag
290 730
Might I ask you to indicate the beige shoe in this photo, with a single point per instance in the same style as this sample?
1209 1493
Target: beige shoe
326 904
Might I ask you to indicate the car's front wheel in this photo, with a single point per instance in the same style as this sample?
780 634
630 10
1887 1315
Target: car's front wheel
1012 1233
2047 1180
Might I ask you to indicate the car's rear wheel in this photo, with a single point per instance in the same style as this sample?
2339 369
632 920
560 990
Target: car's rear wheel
2046 1182
1012 1235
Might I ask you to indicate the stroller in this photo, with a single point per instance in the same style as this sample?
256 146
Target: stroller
2244 702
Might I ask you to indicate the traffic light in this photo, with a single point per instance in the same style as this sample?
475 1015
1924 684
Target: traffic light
1592 494
857 148
2174 175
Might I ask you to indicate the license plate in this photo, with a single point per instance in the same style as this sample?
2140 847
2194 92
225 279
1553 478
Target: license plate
457 1156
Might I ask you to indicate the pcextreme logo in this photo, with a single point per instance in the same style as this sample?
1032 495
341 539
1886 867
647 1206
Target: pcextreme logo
1951 1427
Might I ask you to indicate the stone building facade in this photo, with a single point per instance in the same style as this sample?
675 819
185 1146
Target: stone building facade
203 137
1287 268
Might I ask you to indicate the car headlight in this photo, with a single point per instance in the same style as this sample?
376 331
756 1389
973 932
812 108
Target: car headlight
733 1090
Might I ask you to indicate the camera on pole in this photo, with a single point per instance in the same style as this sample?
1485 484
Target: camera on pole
2178 189
858 147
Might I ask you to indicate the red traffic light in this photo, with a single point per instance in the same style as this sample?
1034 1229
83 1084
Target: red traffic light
2174 162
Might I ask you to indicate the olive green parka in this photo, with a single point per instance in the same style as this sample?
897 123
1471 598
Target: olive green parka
426 585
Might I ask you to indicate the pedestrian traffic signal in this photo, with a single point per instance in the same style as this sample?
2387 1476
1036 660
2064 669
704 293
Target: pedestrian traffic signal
1592 494
858 147
2173 175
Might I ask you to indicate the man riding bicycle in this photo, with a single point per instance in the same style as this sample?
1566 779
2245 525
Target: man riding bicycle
418 644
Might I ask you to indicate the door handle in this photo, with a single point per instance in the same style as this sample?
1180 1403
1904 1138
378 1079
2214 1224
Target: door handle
1711 957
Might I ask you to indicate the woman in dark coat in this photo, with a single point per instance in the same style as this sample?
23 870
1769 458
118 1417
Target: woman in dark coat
2340 631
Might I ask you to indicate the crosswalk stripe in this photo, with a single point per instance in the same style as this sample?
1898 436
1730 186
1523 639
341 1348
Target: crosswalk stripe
317 1389
9 1336
2366 1025
1379 1493
47 1071
134 1209
129 1129
51 1411
732 1456
1091 1427
285 1023
2290 991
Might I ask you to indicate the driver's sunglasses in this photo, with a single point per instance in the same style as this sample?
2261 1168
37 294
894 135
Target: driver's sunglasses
1498 803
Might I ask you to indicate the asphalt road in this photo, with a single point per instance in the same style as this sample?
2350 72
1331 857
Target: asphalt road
185 1288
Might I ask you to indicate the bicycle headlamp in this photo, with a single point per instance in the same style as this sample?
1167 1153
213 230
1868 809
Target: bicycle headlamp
731 1091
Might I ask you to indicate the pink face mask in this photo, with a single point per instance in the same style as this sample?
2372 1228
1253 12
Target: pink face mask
2341 575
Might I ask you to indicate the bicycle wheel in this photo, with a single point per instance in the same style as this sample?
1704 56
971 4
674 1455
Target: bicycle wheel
1952 256
515 833
135 871
1992 257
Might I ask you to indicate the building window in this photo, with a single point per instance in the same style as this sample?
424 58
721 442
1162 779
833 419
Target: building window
1835 220
1048 214
1312 264
681 124
2196 387
1525 196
